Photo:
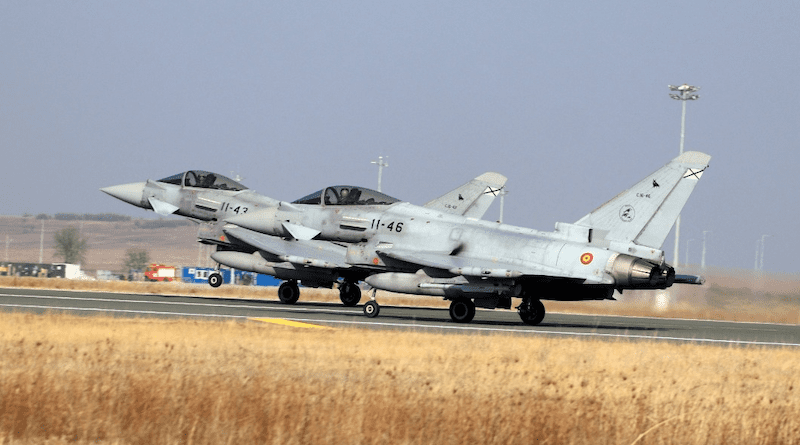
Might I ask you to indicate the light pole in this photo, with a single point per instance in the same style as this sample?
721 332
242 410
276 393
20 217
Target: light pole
761 261
8 240
703 257
503 194
41 244
685 92
758 251
380 163
687 249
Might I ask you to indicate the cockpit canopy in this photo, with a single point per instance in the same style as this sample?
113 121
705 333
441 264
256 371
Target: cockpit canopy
204 179
347 195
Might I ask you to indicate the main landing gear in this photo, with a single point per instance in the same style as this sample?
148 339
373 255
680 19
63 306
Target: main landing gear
289 292
349 293
462 310
531 311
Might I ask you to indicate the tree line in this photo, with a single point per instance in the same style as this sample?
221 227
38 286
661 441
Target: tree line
113 217
71 247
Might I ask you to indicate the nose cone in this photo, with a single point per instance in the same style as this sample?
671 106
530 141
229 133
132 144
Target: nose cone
130 193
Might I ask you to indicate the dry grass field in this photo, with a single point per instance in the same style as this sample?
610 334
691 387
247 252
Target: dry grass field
68 379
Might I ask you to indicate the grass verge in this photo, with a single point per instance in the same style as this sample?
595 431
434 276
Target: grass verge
69 379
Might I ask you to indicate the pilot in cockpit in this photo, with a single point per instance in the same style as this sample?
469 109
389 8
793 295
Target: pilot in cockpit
208 181
349 197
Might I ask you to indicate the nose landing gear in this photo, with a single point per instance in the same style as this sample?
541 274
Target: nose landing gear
372 308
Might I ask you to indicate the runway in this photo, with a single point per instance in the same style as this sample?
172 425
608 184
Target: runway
334 315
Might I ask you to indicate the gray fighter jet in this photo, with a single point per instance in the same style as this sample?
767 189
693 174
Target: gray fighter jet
442 249
427 251
209 198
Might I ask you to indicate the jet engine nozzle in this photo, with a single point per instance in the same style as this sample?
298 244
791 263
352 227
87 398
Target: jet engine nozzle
635 273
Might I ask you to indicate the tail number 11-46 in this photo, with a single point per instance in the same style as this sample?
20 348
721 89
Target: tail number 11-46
391 226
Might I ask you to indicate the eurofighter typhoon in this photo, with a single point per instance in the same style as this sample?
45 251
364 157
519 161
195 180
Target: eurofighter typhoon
210 198
440 251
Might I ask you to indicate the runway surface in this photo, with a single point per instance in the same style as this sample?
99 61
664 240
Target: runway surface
310 314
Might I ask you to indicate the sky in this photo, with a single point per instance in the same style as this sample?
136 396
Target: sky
569 100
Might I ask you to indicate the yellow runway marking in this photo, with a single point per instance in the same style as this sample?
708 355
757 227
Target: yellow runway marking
295 324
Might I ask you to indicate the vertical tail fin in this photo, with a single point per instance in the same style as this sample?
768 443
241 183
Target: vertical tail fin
471 199
645 213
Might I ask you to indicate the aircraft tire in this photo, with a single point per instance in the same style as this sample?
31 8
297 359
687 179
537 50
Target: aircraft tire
350 294
288 292
372 309
462 310
531 311
215 279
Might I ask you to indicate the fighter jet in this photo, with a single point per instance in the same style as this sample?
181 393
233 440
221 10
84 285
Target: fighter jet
210 198
400 247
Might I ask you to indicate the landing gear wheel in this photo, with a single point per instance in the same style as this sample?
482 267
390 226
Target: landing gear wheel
531 311
215 279
349 293
371 309
462 310
288 292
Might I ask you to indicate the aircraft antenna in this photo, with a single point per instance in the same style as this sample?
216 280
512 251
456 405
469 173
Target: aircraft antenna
685 92
380 162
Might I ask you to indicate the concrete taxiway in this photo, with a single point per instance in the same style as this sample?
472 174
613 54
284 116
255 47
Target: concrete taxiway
310 314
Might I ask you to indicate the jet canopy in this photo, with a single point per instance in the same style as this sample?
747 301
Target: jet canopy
347 195
205 180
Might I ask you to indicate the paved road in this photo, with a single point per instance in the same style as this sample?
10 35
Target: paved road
398 318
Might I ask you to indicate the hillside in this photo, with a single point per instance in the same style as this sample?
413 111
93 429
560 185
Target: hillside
174 244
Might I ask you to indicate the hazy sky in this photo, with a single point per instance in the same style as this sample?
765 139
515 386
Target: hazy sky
567 99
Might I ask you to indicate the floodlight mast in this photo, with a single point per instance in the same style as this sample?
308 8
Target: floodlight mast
761 260
502 194
380 163
703 258
759 266
685 92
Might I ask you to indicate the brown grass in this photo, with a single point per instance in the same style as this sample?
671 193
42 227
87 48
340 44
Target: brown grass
86 380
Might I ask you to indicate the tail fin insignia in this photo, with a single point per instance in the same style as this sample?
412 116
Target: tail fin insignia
693 174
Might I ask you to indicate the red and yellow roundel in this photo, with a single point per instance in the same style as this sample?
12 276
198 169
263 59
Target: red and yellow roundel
587 258
375 261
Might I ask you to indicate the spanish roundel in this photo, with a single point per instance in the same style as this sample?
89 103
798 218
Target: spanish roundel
587 258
